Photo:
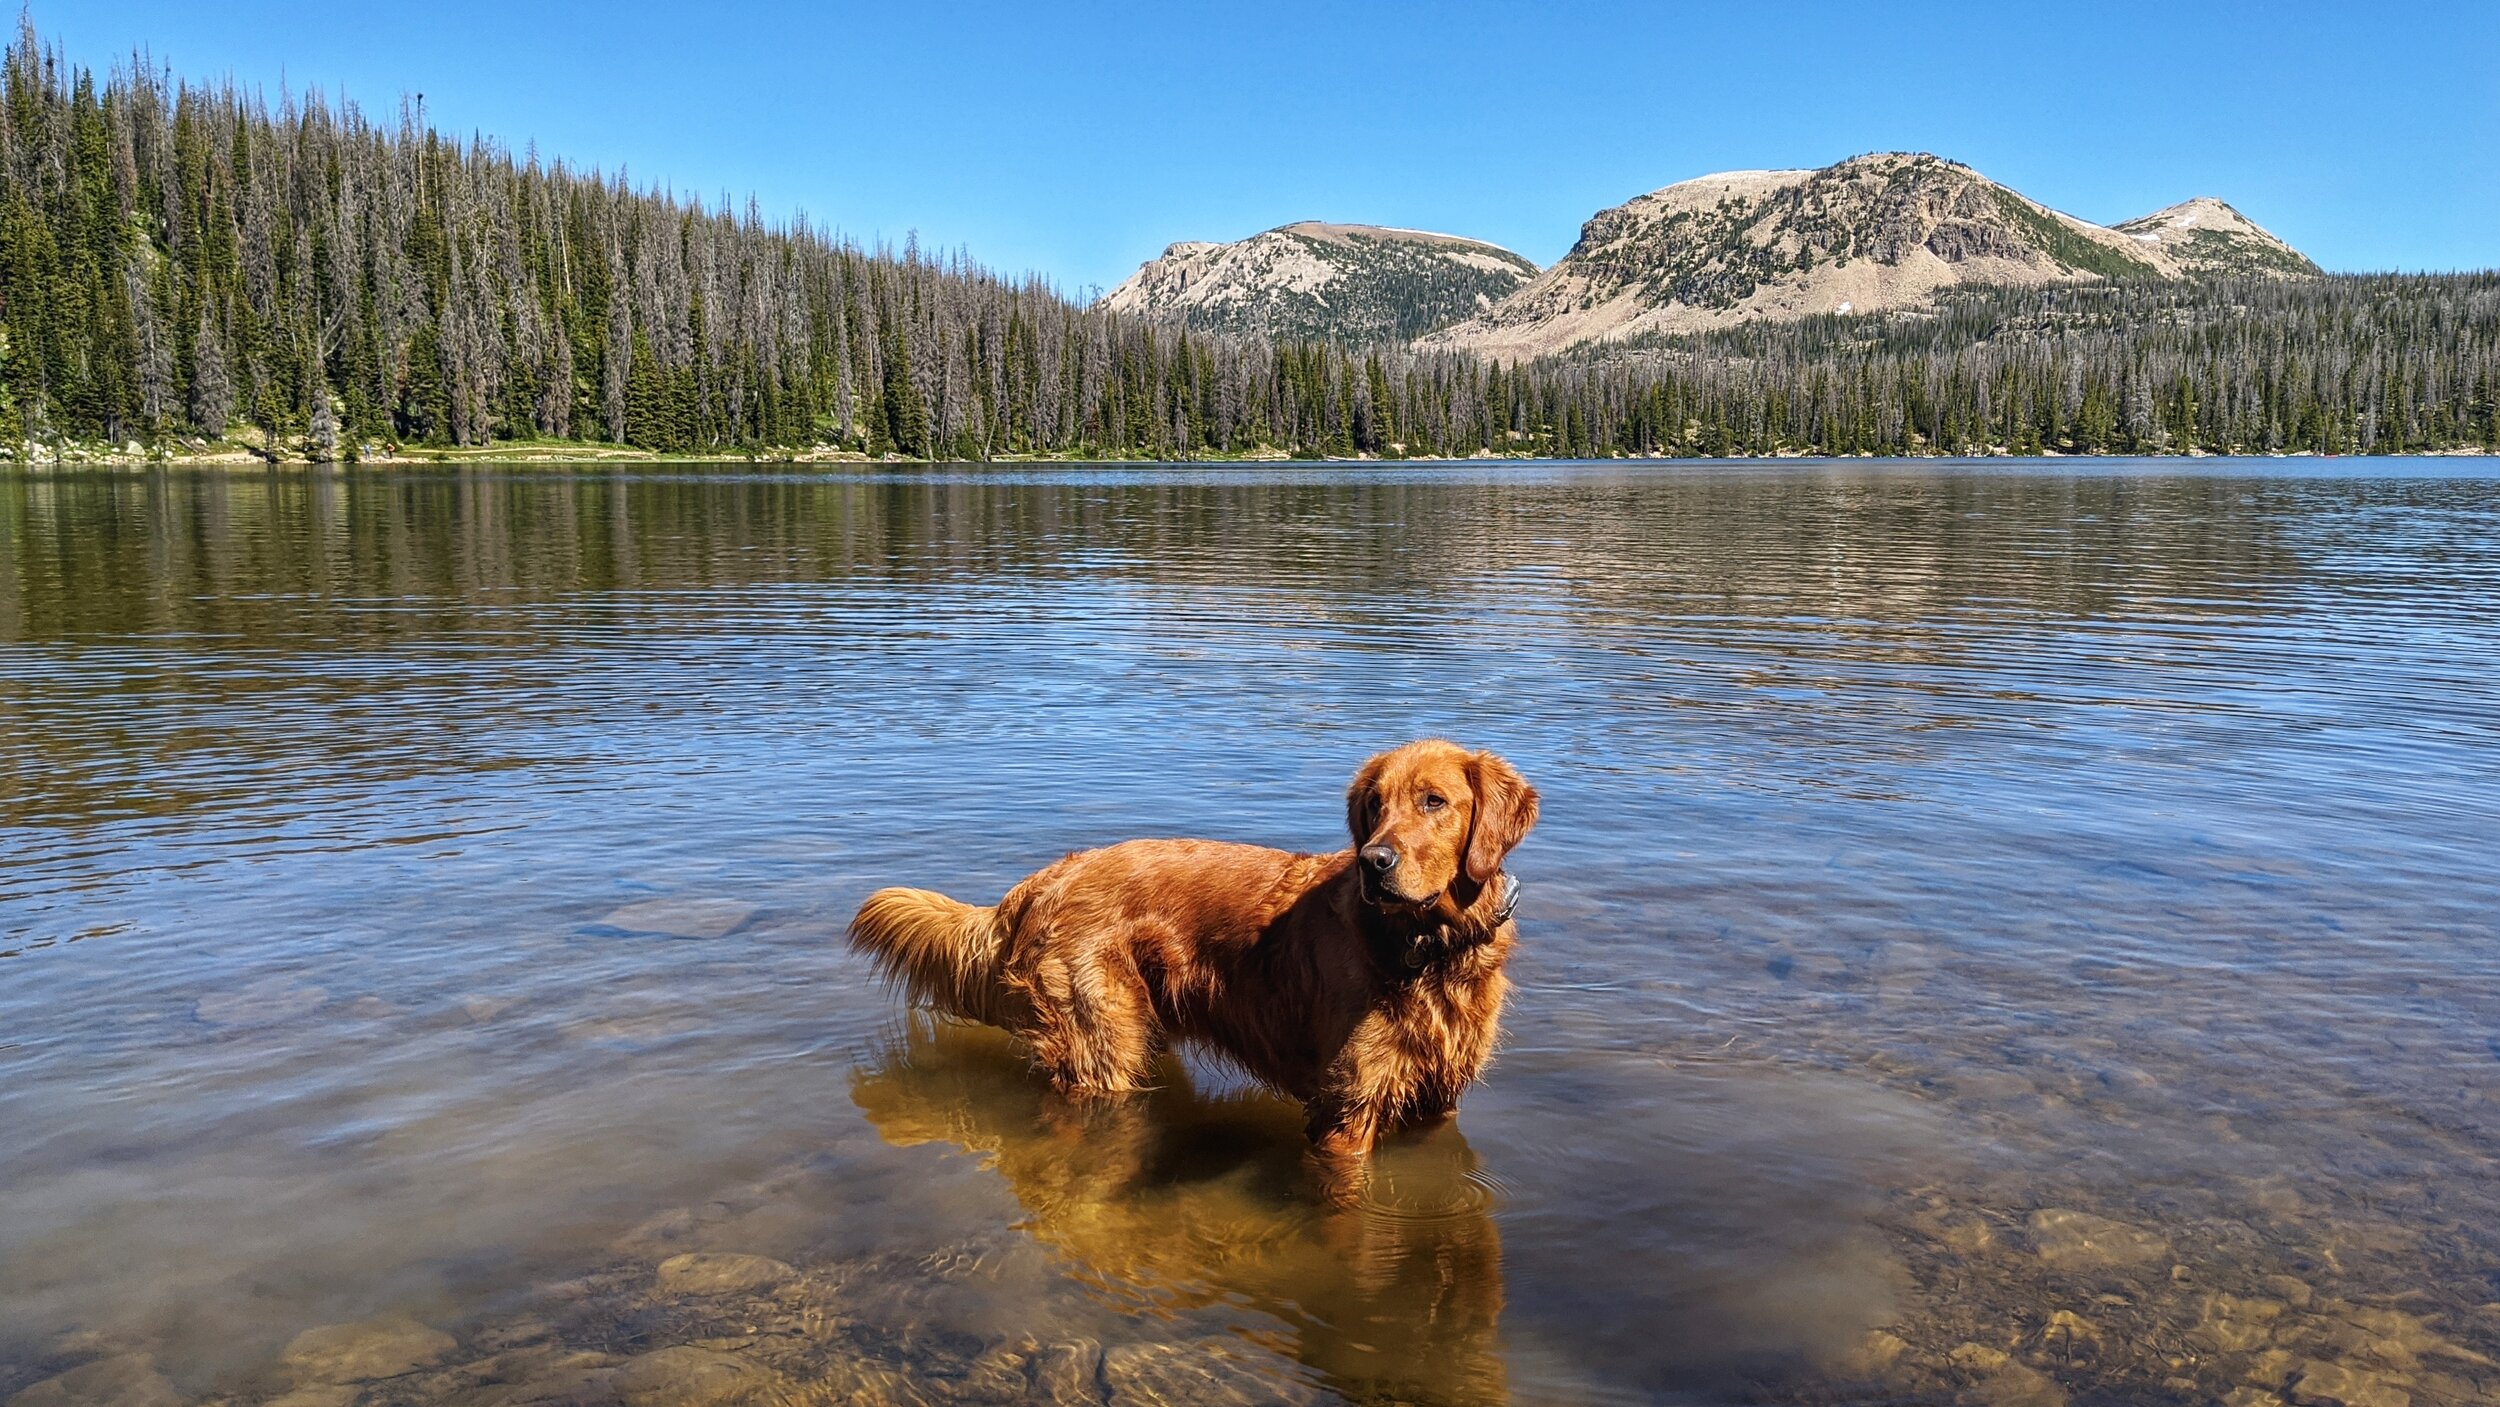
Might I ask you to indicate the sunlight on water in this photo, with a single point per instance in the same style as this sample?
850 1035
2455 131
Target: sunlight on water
1998 933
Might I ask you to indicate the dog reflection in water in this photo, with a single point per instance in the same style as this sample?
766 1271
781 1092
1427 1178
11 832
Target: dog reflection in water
1183 1199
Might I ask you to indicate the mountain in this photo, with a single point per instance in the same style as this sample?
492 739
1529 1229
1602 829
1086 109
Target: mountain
1871 233
1352 283
2204 238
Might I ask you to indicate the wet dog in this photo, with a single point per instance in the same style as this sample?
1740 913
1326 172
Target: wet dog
1365 983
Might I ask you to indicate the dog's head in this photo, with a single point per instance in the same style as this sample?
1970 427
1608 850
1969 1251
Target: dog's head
1431 816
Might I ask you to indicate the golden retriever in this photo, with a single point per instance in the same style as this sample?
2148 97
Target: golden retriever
1365 983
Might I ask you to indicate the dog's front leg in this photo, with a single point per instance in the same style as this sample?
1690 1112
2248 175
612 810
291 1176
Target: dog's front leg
1341 1136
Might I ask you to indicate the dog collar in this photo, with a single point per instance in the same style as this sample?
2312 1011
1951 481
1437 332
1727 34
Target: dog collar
1422 947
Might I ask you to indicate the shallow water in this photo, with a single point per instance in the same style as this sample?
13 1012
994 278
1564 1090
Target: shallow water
1998 932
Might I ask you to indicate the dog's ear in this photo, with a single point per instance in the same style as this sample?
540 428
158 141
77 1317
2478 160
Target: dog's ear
1362 799
1505 810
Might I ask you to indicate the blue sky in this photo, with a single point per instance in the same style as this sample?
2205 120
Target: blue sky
1077 140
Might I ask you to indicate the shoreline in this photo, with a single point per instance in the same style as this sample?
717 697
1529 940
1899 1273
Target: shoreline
539 453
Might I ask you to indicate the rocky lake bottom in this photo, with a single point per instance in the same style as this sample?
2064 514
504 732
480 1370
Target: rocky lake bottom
2007 936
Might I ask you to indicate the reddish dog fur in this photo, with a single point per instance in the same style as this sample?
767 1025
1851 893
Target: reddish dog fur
1371 996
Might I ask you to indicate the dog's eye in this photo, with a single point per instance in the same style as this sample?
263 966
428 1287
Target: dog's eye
1433 802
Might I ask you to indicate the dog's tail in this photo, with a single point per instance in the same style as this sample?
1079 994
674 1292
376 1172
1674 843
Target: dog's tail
944 952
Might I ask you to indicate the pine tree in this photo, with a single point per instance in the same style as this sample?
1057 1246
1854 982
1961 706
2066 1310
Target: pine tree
12 424
906 414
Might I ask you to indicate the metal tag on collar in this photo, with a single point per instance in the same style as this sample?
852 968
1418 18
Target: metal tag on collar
1509 900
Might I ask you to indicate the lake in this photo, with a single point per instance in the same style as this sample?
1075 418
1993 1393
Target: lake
2000 932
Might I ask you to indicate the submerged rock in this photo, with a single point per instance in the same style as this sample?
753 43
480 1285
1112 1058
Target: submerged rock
681 918
2230 1324
263 1003
1205 1374
2072 1240
1066 1374
1876 1354
688 1376
387 1347
2322 1384
635 1030
2070 1336
2404 1337
2000 1381
482 1009
2372 1339
128 1380
1955 1229
660 1233
1057 1375
543 1375
719 1273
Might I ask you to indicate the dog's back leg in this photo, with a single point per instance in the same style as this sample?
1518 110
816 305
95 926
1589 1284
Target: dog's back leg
1094 1026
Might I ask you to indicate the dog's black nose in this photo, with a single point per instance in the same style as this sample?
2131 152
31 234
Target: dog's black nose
1379 859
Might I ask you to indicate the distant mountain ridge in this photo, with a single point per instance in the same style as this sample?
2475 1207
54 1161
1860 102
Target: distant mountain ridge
1873 233
1868 234
1352 283
2205 238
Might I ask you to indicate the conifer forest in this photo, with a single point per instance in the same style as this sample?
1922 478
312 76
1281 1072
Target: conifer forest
183 264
